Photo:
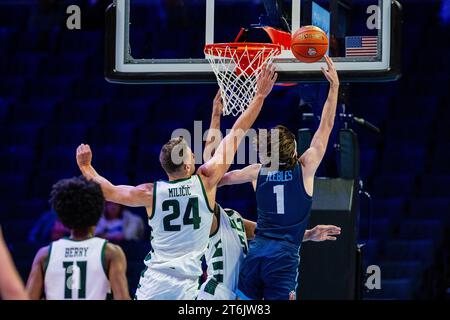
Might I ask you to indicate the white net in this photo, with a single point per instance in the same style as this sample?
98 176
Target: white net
237 68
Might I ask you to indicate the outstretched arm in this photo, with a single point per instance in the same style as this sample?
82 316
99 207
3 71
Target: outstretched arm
117 269
322 233
215 168
312 157
212 139
247 174
140 196
317 234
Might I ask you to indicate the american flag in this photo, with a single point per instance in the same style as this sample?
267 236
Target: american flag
361 46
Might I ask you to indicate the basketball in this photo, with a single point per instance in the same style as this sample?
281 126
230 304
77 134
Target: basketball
309 44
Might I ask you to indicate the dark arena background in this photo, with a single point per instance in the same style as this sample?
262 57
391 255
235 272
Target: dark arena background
396 210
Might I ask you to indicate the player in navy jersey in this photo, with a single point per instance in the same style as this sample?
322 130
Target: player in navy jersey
284 186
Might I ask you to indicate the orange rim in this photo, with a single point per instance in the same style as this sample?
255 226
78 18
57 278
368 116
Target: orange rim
228 49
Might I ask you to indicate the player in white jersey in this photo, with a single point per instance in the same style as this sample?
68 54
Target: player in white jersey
80 267
179 209
228 246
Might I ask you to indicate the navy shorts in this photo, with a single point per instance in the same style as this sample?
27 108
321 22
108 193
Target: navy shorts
269 271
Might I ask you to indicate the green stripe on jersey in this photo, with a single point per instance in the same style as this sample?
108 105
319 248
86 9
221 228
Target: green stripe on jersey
218 265
143 271
211 286
218 253
103 259
154 201
219 277
48 257
204 194
148 256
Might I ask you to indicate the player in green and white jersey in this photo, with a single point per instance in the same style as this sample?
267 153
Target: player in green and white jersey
80 267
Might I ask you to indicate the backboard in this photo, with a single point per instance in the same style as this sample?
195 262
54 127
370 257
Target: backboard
162 41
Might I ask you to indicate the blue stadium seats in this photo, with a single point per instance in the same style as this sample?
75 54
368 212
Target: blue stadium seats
92 88
58 87
14 186
409 130
30 209
22 209
381 228
440 160
24 251
372 251
37 39
81 111
113 134
157 134
368 162
112 158
4 109
435 186
5 37
422 250
403 161
67 64
58 159
374 109
14 87
17 231
399 289
63 134
36 111
147 158
431 208
42 183
393 185
404 269
131 111
422 230
85 42
25 64
15 16
20 134
389 207
18 159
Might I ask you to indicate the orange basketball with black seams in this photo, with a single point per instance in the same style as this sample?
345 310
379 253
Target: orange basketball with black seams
309 44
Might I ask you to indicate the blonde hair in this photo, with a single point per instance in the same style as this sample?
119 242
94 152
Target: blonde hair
286 146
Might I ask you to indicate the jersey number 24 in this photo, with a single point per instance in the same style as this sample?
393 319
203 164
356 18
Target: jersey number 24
173 206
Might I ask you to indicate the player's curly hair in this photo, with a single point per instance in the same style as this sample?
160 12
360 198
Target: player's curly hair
79 203
285 145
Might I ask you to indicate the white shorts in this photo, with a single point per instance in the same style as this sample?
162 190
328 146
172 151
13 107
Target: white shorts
213 290
161 285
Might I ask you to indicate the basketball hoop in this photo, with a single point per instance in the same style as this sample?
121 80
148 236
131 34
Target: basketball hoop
237 66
